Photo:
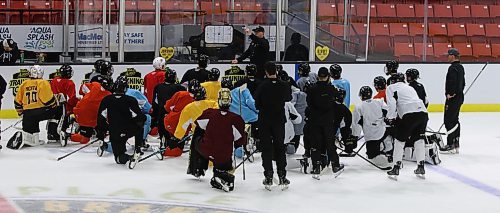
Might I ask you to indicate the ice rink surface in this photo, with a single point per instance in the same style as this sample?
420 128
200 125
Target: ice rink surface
32 181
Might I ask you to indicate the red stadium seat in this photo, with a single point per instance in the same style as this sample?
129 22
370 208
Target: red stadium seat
495 13
405 10
476 33
480 11
493 32
419 11
465 50
146 17
419 51
495 50
441 51
380 37
359 29
443 12
457 32
481 51
386 11
438 32
39 17
337 30
416 29
404 51
362 10
15 17
461 11
399 32
326 11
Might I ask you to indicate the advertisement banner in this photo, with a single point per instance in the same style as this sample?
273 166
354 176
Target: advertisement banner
37 38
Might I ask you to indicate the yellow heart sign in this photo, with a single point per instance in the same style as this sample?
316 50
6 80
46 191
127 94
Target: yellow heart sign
167 52
322 52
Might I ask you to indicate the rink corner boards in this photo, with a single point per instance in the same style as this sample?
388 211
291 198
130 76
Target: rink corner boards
11 113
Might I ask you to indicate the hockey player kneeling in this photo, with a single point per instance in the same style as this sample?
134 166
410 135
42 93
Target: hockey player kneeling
216 131
369 117
121 116
35 102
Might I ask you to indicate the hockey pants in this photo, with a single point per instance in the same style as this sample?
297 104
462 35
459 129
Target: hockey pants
32 118
451 113
323 139
272 140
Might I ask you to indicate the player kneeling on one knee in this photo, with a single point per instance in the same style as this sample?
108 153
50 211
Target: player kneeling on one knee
35 102
217 132
369 118
121 116
404 102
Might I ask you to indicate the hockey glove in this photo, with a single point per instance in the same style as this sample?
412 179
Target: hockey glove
351 142
390 122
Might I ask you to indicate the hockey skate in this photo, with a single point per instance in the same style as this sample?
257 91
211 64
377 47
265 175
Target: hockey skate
268 183
316 171
158 152
449 149
102 147
304 164
283 183
218 183
394 173
420 171
134 159
337 170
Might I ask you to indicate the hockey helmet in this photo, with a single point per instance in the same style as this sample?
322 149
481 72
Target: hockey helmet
203 61
279 67
282 75
335 71
66 71
105 68
304 69
106 82
365 93
159 63
121 85
399 77
170 76
224 98
251 70
412 74
227 83
379 83
391 67
213 74
340 95
36 72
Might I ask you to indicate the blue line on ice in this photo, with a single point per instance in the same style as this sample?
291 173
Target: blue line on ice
466 180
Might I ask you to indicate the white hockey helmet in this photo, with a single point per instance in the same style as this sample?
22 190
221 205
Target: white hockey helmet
160 63
36 71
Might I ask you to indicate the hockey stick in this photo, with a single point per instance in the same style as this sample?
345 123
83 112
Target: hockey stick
164 148
444 133
471 84
361 147
83 147
17 122
254 151
381 168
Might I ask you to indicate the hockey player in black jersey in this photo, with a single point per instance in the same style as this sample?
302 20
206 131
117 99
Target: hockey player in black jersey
250 80
391 68
102 68
121 116
200 73
411 77
404 103
162 93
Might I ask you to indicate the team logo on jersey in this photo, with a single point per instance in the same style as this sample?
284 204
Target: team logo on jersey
17 80
234 74
134 79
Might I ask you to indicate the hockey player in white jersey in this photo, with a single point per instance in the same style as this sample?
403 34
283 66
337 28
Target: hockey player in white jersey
404 103
369 118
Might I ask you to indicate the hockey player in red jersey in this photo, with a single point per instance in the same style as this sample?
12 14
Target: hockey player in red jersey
218 132
62 85
86 109
151 80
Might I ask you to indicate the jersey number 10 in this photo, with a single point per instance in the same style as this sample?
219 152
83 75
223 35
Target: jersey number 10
31 96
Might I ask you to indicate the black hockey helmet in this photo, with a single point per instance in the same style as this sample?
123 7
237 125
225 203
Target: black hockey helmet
251 70
391 67
213 74
365 93
304 69
203 61
170 76
121 85
106 82
379 83
279 67
193 86
340 95
226 83
282 75
335 71
412 74
199 94
66 71
399 77
98 63
105 68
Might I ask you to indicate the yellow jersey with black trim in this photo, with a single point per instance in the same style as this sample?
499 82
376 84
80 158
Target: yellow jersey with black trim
34 94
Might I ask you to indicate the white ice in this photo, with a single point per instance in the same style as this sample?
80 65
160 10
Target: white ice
33 173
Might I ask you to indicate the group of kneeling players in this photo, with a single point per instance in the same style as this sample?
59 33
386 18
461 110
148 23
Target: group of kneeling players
222 117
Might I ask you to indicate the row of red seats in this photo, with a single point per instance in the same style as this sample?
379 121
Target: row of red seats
437 51
440 32
405 12
488 2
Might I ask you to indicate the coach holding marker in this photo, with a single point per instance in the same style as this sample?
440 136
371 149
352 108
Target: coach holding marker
454 90
258 51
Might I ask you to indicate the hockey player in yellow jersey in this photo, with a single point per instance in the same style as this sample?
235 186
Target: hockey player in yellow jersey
193 110
212 86
35 102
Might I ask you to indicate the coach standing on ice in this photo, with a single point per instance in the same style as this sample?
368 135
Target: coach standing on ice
454 90
258 51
